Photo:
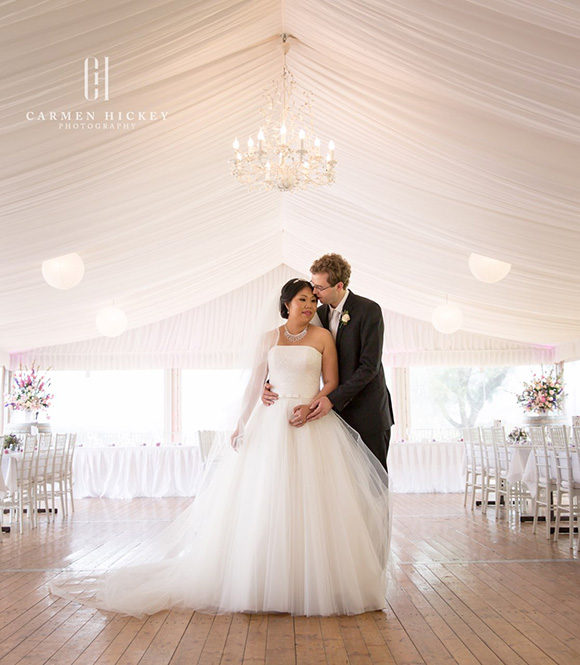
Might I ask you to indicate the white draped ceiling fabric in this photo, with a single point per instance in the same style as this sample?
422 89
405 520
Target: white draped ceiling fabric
211 335
456 130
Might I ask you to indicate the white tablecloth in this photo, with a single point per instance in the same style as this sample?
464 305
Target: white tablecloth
126 472
10 471
530 475
519 458
3 485
427 466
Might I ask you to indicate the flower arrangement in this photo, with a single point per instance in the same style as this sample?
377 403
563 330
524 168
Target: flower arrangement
518 435
544 394
11 442
345 318
30 391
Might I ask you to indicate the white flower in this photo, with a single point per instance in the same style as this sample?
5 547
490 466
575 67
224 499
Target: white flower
345 318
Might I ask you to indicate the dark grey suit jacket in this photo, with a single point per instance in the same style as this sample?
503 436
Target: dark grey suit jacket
362 397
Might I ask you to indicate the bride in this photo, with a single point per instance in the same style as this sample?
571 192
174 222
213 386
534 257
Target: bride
292 519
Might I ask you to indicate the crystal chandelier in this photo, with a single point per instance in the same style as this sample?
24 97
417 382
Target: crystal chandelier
286 154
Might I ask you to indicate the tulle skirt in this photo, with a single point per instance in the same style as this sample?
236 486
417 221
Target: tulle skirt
297 520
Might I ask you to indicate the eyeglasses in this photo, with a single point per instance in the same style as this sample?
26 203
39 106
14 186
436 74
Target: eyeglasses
315 287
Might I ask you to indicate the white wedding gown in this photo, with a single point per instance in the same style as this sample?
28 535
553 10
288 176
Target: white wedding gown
297 520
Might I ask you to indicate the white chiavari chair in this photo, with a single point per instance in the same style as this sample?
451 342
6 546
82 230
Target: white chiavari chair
8 503
57 482
43 471
492 484
567 495
514 492
474 468
575 453
206 441
545 486
25 494
68 476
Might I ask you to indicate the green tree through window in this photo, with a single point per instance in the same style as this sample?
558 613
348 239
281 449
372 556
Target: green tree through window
461 392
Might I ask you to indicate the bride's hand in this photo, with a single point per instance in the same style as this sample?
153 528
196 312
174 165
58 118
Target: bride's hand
299 415
236 440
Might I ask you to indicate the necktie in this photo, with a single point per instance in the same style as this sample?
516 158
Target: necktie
334 322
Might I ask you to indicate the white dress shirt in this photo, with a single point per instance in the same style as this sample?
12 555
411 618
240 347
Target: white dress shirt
334 315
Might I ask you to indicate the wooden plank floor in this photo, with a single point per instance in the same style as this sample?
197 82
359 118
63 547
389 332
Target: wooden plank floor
463 588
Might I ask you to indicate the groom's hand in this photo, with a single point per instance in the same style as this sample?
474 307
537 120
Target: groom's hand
268 395
319 408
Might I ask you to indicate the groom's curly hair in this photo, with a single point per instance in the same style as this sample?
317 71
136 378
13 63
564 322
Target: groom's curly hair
338 269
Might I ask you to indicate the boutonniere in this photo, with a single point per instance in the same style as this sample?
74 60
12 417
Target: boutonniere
345 318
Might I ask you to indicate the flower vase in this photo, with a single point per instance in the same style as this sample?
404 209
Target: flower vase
30 416
544 419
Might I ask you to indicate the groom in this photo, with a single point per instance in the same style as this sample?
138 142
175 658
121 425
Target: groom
362 397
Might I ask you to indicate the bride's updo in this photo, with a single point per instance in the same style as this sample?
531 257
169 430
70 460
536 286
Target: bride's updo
289 290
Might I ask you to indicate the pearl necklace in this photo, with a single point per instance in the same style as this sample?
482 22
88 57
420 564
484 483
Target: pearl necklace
294 338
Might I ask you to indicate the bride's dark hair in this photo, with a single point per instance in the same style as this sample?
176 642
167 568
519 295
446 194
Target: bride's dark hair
289 290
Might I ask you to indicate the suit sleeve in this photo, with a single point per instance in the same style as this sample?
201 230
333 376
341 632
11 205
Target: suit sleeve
371 352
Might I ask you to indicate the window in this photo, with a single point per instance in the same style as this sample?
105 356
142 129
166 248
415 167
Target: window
106 407
211 400
446 399
572 388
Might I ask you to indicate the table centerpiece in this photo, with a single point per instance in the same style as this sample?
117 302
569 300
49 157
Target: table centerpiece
30 393
543 398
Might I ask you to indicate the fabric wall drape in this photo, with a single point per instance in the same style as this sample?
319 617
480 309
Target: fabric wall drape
212 336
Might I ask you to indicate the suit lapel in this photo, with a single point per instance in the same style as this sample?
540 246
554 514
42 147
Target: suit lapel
323 315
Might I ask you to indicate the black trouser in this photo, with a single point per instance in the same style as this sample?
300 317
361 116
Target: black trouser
378 443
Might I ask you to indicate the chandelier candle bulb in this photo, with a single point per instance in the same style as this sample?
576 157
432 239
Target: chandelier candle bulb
250 145
301 136
317 146
267 176
283 135
331 150
260 141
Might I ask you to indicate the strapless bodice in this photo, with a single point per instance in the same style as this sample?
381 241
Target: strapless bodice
294 371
